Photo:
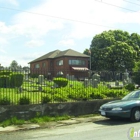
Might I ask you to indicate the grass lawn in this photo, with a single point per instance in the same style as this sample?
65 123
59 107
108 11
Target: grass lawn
74 91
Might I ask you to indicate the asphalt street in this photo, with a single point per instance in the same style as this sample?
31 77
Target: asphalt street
104 129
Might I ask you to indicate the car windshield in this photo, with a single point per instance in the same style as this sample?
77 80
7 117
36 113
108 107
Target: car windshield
132 95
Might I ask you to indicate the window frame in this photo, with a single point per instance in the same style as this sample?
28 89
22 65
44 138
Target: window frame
77 62
60 62
37 66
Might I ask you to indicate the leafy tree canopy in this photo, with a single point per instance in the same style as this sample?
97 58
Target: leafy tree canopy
114 50
137 66
14 64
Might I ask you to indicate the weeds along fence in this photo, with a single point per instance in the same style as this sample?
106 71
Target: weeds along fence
37 87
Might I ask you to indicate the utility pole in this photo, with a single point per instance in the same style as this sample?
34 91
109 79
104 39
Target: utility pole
90 57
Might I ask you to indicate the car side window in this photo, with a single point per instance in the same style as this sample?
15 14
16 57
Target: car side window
132 95
137 95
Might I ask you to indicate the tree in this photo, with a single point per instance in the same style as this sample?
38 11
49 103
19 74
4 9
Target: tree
115 50
14 65
137 66
119 57
87 52
136 73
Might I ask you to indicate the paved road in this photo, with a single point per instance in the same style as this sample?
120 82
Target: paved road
99 130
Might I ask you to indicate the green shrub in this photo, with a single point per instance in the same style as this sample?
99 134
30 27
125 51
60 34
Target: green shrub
117 87
97 96
78 92
5 72
12 121
5 101
4 81
82 97
72 95
24 100
16 80
61 82
49 83
60 98
122 93
16 121
46 99
48 90
130 87
112 93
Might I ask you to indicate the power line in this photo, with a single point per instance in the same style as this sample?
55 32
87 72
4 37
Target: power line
66 18
116 6
95 0
73 20
40 14
132 2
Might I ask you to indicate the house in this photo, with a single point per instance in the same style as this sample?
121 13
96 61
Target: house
66 63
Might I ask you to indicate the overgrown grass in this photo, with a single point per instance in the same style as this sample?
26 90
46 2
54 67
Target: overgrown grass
49 119
12 121
37 119
41 119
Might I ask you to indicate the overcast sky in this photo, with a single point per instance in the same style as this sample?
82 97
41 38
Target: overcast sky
32 28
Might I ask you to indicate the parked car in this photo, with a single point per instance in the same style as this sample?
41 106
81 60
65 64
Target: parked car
127 107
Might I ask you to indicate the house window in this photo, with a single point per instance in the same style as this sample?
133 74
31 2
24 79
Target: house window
36 66
51 63
43 64
60 62
76 62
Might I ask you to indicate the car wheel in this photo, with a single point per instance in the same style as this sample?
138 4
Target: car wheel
135 115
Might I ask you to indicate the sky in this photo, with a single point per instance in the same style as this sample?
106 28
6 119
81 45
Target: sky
30 29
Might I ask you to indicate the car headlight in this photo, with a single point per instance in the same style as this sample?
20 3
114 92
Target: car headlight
117 108
101 107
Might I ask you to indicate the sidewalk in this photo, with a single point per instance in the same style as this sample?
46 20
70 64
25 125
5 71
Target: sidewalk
50 124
